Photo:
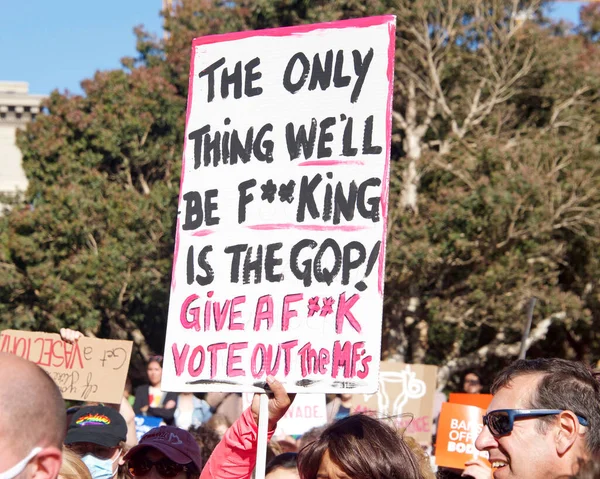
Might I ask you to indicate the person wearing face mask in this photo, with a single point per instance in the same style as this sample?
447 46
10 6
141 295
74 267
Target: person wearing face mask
97 434
32 421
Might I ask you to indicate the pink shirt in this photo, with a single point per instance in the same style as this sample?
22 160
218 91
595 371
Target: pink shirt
235 456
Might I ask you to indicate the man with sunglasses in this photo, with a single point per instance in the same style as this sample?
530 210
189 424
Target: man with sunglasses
165 452
32 421
543 421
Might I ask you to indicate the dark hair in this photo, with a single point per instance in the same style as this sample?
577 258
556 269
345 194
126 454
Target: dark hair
217 420
206 438
474 373
565 385
156 359
310 436
588 469
287 460
364 448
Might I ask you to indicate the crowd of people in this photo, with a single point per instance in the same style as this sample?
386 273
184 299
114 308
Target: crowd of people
543 422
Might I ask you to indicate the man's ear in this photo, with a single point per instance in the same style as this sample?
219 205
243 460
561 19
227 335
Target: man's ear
567 432
47 463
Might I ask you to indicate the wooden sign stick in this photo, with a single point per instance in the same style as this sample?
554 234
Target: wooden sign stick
263 426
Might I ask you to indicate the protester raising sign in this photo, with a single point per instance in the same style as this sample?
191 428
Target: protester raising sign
88 370
280 243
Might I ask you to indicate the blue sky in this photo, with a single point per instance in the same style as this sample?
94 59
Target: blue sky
56 44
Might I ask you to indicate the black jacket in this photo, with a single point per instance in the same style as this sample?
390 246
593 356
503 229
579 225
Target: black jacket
142 399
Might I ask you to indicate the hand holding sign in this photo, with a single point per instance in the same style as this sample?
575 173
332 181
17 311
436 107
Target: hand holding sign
70 335
278 404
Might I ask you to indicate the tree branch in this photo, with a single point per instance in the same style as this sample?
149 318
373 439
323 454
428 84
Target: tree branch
495 349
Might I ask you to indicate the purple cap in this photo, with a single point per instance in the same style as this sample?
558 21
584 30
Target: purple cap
177 444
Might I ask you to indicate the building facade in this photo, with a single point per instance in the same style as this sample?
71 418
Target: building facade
17 108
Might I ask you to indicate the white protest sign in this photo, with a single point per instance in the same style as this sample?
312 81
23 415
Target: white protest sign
280 242
306 412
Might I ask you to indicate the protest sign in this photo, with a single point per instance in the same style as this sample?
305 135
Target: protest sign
143 424
307 411
458 428
479 400
280 239
406 393
88 370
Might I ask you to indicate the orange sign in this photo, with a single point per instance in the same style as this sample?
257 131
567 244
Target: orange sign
479 400
458 428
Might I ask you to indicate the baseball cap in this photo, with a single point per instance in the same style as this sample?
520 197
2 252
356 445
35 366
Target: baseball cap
177 444
100 425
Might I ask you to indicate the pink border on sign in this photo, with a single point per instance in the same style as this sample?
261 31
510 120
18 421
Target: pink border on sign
287 31
331 163
294 226
388 143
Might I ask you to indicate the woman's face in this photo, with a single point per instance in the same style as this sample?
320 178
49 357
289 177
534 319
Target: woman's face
154 373
83 449
154 461
471 384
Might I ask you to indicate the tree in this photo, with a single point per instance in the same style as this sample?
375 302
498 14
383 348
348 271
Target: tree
92 248
494 192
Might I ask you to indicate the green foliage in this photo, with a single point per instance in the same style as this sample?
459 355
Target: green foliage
92 248
498 116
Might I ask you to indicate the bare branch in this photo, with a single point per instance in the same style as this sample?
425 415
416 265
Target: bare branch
496 349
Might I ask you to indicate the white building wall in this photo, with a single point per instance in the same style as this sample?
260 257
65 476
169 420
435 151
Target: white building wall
17 108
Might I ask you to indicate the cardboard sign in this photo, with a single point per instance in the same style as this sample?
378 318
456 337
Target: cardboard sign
479 400
87 370
143 424
307 411
458 428
404 389
280 243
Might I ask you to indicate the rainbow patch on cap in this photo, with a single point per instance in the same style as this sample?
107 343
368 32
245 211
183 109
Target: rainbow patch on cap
93 420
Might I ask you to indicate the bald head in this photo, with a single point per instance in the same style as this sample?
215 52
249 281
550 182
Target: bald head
32 411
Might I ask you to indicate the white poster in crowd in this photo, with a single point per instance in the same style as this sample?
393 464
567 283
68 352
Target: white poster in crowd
280 242
306 412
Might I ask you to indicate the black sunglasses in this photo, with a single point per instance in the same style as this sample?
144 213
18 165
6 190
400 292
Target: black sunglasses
164 466
501 421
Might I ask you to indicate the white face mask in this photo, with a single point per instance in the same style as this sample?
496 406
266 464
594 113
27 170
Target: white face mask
19 466
100 468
